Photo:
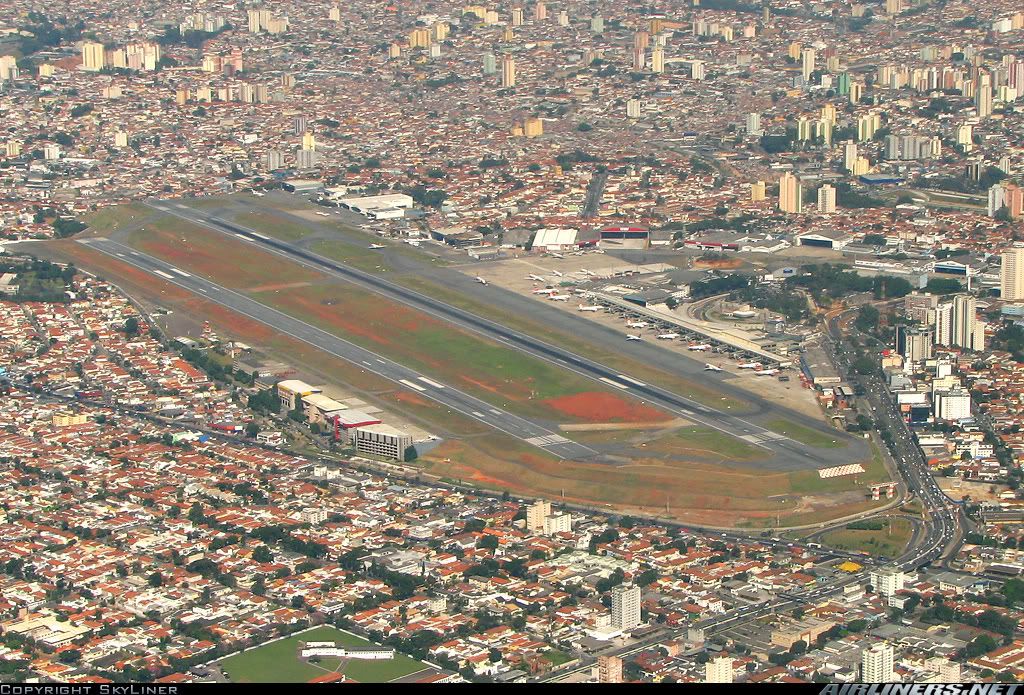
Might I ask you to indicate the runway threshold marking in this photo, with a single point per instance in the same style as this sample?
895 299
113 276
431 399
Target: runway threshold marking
630 380
614 383
411 384
427 381
163 274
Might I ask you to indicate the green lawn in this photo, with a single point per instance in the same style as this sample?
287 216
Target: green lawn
274 225
278 662
891 540
806 435
719 442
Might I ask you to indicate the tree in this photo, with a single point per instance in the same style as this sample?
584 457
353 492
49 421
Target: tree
262 554
70 656
494 655
156 579
131 327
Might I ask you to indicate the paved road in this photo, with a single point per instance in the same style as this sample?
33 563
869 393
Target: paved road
944 525
470 406
788 453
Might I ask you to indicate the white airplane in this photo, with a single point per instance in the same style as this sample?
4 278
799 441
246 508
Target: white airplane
699 348
481 280
711 368
258 194
324 214
633 337
766 372
556 273
560 297
589 272
596 307
546 290
636 324
538 278
668 336
376 246
556 255
751 365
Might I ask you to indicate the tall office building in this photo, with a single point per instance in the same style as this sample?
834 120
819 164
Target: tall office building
968 332
719 670
490 64
658 60
807 57
273 160
876 665
626 606
790 194
633 108
540 11
299 125
517 16
827 199
914 344
1011 275
597 24
757 191
754 124
508 72
8 68
609 669
535 515
856 92
93 56
850 156
563 18
983 95
308 141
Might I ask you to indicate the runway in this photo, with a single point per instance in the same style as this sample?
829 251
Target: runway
788 453
470 406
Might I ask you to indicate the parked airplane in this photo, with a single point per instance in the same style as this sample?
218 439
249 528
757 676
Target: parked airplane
766 372
636 324
633 337
668 336
711 368
699 348
751 365
556 255
596 307
546 290
589 272
538 278
560 297
556 273
324 214
376 246
481 280
257 194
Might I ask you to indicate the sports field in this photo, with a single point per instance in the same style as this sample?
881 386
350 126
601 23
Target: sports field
279 662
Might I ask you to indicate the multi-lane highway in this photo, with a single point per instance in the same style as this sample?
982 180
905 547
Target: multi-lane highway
788 453
470 406
944 522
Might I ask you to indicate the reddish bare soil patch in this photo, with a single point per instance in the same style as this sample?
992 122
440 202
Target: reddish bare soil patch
410 398
594 406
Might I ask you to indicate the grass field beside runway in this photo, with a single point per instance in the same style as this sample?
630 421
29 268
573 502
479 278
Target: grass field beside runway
806 435
500 375
613 359
698 490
